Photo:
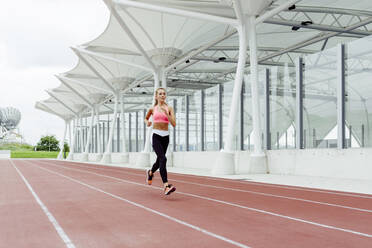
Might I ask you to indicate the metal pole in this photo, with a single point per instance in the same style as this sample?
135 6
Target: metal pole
130 131
341 97
299 104
267 110
187 100
241 126
202 120
220 117
136 131
174 130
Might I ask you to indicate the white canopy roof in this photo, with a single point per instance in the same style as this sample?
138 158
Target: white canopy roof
198 53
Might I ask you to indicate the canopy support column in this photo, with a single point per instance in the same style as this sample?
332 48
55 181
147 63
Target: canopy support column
106 158
60 154
124 153
72 147
143 159
258 157
85 154
225 164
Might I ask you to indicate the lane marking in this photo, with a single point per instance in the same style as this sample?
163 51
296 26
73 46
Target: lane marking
297 188
148 209
244 191
228 203
51 218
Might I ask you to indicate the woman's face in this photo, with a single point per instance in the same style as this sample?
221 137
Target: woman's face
161 95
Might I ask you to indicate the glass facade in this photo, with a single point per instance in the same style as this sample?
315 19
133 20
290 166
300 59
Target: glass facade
335 92
358 95
320 100
195 121
211 116
282 100
180 124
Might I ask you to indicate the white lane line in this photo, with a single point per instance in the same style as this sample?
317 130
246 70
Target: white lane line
247 191
51 218
230 204
294 187
297 188
148 209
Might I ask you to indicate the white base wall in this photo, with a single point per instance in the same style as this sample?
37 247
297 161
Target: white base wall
347 163
4 154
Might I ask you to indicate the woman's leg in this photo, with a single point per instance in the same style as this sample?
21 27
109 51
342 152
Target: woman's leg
158 143
163 163
155 166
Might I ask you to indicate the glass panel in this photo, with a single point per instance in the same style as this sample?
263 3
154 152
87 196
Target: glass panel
247 115
282 107
133 131
181 124
320 102
170 128
211 119
359 93
227 90
194 122
126 129
141 126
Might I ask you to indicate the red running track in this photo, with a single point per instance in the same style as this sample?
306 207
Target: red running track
46 203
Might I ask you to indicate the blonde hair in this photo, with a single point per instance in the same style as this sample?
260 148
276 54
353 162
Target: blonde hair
156 94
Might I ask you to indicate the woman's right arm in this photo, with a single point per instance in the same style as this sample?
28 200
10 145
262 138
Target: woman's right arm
149 113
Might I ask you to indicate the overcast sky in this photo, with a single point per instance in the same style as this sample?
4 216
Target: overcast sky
35 41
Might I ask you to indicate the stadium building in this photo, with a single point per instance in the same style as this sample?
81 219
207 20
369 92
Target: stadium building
278 87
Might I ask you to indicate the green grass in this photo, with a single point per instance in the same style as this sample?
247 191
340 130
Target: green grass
27 151
15 146
33 154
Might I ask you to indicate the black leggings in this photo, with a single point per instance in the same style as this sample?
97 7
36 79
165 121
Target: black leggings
160 145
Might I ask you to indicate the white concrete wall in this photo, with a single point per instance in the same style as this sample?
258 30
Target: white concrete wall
346 163
194 160
4 154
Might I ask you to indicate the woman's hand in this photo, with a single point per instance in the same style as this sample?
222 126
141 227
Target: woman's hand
148 123
165 111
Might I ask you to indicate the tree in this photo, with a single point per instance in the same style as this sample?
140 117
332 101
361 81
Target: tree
66 149
48 143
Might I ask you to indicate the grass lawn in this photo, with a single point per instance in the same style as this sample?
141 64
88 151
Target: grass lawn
33 154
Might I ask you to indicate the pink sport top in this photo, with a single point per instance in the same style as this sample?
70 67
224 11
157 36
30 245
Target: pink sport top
159 116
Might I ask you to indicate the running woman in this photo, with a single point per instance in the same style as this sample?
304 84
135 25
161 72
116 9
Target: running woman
162 115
